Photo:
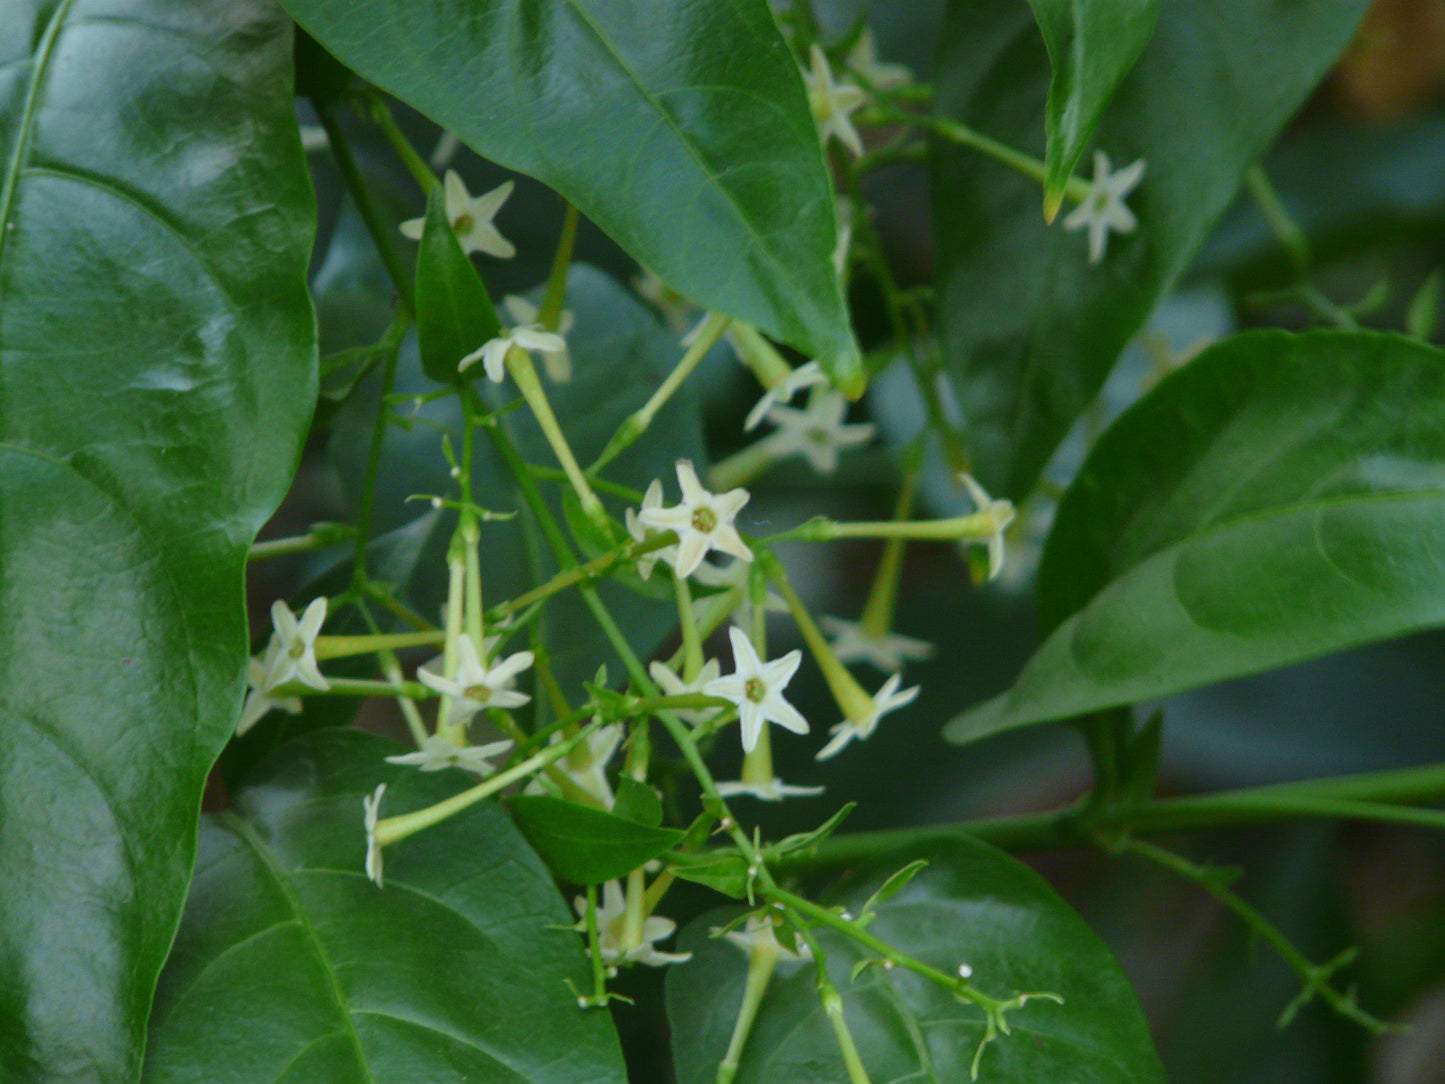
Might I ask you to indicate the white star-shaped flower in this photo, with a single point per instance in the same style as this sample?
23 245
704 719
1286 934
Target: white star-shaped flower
471 219
493 353
804 376
437 753
370 807
863 60
833 102
558 363
703 521
884 701
610 913
651 500
258 701
1103 208
1001 514
477 686
294 654
586 765
887 652
817 433
774 790
757 687
672 685
760 931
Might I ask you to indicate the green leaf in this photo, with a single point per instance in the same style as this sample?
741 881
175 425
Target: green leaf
681 129
972 904
636 801
291 966
586 846
727 873
157 372
1030 327
807 842
1278 498
1092 45
454 313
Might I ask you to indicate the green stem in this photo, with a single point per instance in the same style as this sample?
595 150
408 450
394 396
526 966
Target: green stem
357 687
380 112
1291 237
877 616
524 374
761 961
549 315
744 465
284 547
636 424
377 224
833 1006
340 647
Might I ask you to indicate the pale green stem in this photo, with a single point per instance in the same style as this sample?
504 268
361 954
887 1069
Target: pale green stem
636 424
549 315
635 912
414 723
743 466
357 687
761 961
976 526
853 700
380 113
833 1006
519 364
456 590
877 617
759 355
284 547
692 659
594 944
339 647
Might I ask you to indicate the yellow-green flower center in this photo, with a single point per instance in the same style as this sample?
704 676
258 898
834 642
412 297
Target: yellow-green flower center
755 690
704 519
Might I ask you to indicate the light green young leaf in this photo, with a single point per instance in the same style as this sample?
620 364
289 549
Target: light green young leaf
157 373
1029 326
1278 498
681 129
293 967
1092 45
973 905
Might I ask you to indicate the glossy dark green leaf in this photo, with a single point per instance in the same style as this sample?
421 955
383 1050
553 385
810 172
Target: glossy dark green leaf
157 372
1030 328
454 313
974 905
586 846
291 966
1278 498
1092 45
721 188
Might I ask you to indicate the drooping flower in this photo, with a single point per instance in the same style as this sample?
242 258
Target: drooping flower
586 765
446 149
774 790
471 219
1103 208
493 353
672 685
1000 513
757 687
610 912
703 521
760 931
652 499
258 699
884 701
477 686
888 652
804 376
437 753
832 102
370 807
558 363
294 654
817 433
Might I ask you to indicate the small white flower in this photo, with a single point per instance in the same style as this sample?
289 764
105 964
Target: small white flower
258 702
832 102
294 658
652 499
863 60
437 753
1103 208
477 686
672 685
884 701
817 433
757 687
703 521
1000 513
760 931
471 219
774 790
370 807
313 138
804 376
610 913
844 213
493 353
887 652
586 764
558 363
